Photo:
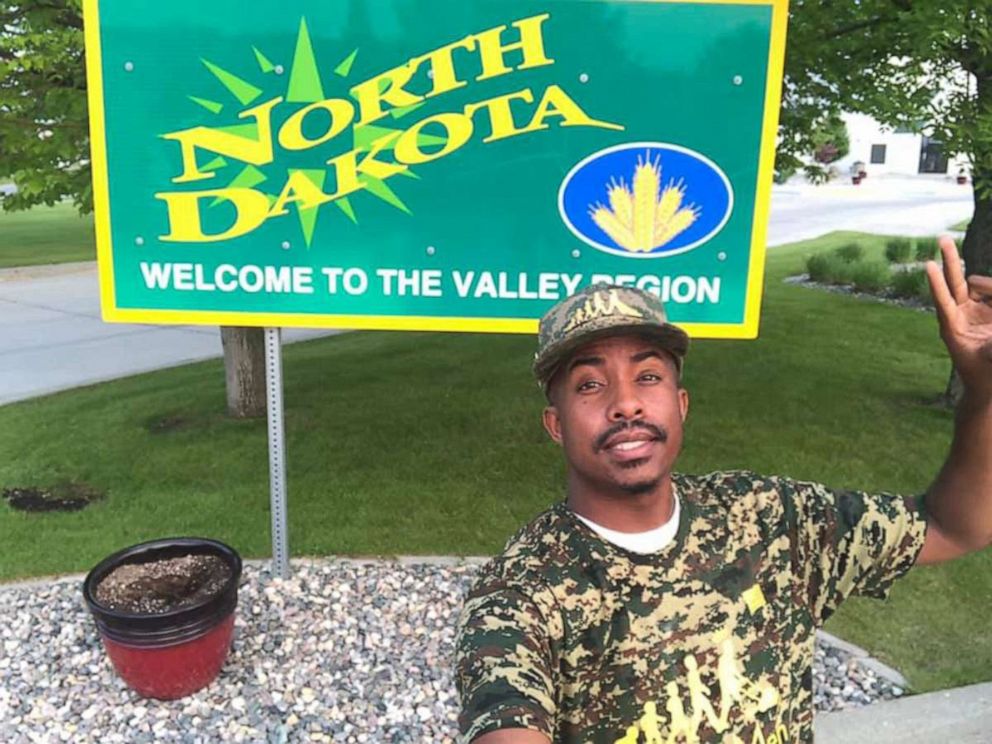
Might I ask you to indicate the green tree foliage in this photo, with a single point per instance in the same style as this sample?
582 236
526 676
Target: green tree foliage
827 142
45 148
904 62
44 135
830 141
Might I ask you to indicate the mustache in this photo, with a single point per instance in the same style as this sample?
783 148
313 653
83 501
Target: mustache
659 432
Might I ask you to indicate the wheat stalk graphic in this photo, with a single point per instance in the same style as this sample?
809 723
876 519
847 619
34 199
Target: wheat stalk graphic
637 219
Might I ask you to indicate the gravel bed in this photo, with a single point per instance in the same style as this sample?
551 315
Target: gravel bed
803 280
841 681
340 652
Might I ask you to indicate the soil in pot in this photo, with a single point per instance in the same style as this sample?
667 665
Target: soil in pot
164 585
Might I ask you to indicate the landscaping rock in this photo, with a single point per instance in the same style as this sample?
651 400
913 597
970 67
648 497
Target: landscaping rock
340 652
847 289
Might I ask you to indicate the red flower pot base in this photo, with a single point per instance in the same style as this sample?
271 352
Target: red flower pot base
171 672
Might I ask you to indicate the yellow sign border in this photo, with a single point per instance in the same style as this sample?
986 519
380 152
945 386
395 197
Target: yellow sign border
104 249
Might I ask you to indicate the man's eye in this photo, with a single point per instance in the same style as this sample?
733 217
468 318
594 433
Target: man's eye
588 385
650 377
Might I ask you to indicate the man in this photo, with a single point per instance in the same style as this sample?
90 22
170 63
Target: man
654 607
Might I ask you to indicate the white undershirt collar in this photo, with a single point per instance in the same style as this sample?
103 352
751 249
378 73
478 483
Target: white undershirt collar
650 541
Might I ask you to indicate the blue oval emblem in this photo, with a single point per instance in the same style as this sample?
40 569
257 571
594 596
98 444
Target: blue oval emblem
646 200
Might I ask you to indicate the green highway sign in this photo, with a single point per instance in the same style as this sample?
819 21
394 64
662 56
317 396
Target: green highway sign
431 166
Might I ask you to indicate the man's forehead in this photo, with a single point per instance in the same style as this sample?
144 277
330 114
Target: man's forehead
628 344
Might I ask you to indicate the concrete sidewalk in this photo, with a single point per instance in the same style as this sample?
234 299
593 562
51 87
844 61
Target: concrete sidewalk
959 716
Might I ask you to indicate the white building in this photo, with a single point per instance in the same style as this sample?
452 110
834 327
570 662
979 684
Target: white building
898 152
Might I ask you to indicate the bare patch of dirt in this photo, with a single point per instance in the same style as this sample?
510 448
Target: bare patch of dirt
65 497
167 423
164 585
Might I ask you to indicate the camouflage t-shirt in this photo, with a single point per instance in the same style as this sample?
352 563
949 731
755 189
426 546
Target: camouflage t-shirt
710 639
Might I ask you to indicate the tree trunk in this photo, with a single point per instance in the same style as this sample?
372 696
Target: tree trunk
976 250
244 370
954 389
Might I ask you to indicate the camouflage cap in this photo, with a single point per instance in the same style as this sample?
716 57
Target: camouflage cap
599 311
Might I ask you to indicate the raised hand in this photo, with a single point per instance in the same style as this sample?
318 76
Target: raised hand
964 312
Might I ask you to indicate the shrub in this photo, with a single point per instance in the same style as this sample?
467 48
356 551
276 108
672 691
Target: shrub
910 284
830 140
898 250
870 276
817 267
850 252
926 249
827 268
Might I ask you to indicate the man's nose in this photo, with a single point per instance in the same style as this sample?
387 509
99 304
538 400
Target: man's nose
626 403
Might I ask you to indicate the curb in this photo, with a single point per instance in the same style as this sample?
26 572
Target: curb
42 271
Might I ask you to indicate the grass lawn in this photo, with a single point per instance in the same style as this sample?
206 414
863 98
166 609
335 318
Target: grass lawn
431 443
46 235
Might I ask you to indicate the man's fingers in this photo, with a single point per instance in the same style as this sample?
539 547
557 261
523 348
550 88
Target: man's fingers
952 269
942 299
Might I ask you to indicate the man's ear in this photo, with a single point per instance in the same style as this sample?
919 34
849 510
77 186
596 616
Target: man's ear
683 403
552 423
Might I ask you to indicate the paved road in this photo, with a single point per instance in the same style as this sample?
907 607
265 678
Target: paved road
886 206
52 338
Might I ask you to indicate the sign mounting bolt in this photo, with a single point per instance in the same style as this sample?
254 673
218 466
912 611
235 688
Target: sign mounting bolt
738 80
584 77
128 66
139 240
278 69
576 253
431 250
721 256
285 245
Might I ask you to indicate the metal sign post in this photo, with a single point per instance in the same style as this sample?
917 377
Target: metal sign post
277 452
